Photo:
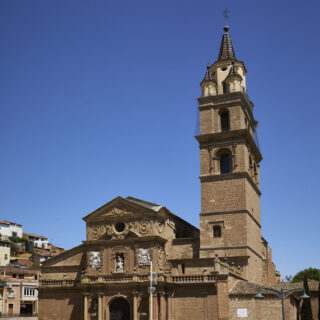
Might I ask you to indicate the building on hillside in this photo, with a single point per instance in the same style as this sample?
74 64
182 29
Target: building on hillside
37 240
19 292
10 229
5 252
215 272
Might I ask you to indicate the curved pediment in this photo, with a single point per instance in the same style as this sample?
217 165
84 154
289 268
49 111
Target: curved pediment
123 218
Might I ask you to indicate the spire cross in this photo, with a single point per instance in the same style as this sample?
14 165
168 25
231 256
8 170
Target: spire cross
226 14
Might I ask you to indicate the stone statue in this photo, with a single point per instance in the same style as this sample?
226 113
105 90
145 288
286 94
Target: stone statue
94 259
119 263
143 257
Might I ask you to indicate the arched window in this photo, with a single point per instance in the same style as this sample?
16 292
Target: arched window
217 232
225 120
225 159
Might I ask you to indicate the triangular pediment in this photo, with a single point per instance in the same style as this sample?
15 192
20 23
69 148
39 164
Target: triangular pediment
117 208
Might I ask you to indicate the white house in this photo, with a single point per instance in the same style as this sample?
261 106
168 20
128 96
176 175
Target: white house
10 229
37 240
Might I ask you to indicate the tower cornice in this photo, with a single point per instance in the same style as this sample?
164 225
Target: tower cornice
231 176
229 137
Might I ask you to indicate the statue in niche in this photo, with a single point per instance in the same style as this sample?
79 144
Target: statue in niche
119 263
161 257
94 260
143 257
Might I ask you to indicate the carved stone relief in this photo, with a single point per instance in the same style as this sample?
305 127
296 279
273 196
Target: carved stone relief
94 259
143 257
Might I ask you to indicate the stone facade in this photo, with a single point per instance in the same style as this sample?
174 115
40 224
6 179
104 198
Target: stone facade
215 272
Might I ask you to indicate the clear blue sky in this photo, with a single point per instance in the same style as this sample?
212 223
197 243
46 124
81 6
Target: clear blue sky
98 99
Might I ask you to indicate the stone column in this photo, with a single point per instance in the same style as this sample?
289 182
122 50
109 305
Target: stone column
100 312
163 306
155 307
135 306
35 310
171 306
85 307
107 311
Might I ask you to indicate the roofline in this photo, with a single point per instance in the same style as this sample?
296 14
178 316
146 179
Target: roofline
10 223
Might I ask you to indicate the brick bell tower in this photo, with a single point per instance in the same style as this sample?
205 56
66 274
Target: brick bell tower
229 167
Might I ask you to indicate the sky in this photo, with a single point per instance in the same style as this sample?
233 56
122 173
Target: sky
99 99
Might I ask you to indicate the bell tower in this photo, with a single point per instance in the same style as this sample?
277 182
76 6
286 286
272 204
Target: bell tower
229 166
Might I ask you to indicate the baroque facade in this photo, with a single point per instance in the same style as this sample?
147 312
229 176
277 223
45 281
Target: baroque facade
213 272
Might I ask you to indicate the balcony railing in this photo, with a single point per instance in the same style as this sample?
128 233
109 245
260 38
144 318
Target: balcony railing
99 279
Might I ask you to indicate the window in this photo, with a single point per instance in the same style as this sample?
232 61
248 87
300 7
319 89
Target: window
217 232
225 159
120 226
224 120
29 292
226 88
14 234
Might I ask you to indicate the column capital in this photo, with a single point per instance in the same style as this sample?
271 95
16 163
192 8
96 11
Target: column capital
162 293
137 293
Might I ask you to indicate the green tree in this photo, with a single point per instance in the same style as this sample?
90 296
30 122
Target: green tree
306 311
310 273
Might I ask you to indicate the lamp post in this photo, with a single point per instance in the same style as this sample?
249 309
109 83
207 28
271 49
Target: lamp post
282 295
152 289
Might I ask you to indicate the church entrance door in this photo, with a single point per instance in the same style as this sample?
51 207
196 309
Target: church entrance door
119 309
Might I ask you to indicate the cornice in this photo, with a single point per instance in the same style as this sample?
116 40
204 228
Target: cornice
241 211
229 137
126 241
230 176
233 248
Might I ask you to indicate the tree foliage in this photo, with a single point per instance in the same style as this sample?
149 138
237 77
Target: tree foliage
310 273
306 310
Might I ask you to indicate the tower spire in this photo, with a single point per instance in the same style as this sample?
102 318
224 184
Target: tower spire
226 47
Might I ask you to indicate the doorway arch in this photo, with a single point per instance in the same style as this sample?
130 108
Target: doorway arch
119 309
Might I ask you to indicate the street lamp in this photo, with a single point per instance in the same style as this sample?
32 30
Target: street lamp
282 295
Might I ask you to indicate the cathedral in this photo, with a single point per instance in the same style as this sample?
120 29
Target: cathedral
141 261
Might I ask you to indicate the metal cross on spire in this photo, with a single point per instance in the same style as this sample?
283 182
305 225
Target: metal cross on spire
226 14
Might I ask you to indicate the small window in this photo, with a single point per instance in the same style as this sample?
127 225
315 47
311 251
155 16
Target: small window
225 120
120 226
183 268
225 162
217 232
226 88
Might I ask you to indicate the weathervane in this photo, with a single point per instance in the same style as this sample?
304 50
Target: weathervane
226 14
